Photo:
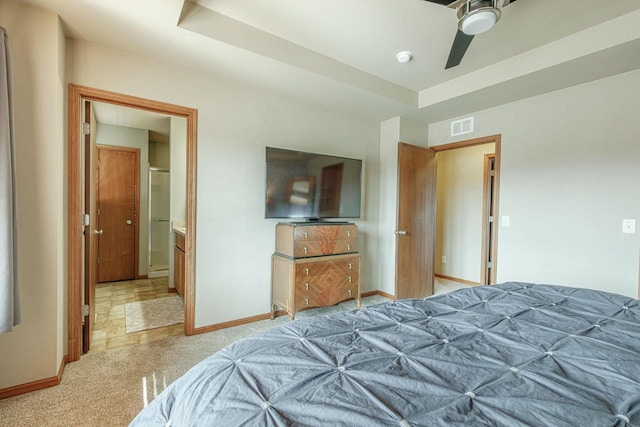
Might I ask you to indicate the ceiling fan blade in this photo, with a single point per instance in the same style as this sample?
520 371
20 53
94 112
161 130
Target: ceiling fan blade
442 2
460 45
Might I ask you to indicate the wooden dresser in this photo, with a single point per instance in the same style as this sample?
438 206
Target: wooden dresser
314 265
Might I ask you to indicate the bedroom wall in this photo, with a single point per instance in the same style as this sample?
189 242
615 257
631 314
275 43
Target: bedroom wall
459 211
121 136
35 349
234 242
569 175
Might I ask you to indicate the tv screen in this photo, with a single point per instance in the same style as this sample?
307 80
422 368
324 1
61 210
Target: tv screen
311 186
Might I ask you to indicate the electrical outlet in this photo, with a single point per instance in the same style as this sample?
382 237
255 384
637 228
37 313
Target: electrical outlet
506 221
444 259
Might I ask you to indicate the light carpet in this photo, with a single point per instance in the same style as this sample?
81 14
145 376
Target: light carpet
153 313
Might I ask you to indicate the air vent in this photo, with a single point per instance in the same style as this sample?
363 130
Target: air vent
462 126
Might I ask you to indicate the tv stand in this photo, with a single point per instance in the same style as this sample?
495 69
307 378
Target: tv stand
314 265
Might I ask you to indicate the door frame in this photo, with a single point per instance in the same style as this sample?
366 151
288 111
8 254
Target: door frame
489 217
75 259
136 201
495 139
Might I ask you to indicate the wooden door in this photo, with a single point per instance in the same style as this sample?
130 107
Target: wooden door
416 220
117 203
90 236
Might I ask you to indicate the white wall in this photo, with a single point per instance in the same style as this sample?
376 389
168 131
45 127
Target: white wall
569 175
459 211
388 184
34 350
234 242
121 136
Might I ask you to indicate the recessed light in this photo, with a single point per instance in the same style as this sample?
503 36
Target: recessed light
404 56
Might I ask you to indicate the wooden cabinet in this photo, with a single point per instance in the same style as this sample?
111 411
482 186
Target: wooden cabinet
314 266
178 264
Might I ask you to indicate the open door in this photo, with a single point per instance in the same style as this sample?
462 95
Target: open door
416 221
90 228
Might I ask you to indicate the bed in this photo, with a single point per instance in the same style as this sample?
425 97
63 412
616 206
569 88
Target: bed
514 354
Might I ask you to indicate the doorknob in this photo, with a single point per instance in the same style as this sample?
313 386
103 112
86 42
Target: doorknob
401 232
98 232
129 222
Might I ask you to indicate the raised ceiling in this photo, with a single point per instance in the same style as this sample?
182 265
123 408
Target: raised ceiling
341 54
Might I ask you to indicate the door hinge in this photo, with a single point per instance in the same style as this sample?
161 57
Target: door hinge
489 264
491 219
493 173
85 310
86 129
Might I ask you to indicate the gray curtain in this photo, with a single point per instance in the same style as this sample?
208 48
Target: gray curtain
9 301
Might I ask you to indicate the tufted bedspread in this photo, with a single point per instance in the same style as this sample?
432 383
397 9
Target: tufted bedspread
514 354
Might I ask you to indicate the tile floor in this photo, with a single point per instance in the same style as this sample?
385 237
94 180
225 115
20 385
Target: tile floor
109 327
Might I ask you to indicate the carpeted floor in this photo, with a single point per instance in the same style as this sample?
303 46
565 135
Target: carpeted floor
109 388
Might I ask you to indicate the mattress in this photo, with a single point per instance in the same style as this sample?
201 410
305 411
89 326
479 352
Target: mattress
514 354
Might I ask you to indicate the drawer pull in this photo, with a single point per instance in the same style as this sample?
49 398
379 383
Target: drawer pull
306 301
306 270
306 286
306 251
349 279
348 247
348 233
350 266
349 292
306 235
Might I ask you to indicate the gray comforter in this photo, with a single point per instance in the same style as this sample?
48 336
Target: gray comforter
506 355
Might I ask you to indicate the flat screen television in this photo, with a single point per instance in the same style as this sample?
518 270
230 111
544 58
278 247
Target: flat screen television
311 186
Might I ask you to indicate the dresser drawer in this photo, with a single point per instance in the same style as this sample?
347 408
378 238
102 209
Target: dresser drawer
325 232
301 241
333 269
327 296
311 248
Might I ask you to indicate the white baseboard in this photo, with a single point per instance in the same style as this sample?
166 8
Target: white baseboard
160 273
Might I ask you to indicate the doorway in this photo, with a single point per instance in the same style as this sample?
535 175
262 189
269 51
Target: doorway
78 222
468 190
416 217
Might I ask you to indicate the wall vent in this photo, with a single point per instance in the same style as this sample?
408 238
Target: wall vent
462 126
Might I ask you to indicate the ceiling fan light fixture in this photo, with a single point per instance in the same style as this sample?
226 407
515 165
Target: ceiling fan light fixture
479 21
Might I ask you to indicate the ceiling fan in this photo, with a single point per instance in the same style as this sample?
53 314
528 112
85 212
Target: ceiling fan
474 17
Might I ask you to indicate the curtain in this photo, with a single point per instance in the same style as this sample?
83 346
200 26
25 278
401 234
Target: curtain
9 301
